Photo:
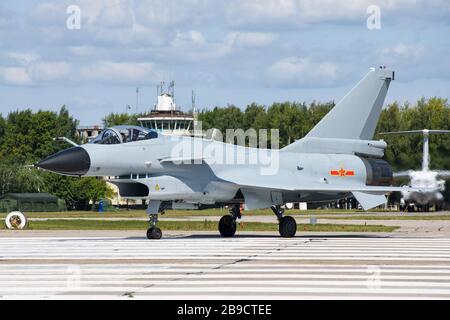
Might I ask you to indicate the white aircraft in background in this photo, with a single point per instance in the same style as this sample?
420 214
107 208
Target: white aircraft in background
424 178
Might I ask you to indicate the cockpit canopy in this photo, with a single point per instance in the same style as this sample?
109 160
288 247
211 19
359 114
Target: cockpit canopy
124 134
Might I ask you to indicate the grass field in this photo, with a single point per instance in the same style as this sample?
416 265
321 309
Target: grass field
381 217
179 213
320 214
194 226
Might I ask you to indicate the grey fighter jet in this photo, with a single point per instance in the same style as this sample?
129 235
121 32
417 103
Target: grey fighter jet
336 159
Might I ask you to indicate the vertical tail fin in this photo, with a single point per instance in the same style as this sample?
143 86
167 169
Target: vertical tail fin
357 114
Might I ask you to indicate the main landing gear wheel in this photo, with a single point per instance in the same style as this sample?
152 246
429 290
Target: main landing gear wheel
154 233
287 227
227 226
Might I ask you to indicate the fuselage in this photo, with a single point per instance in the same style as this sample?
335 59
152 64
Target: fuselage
195 170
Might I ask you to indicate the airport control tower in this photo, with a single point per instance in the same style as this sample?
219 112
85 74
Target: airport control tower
165 117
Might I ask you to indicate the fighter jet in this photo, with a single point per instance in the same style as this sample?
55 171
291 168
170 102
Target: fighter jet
336 159
424 178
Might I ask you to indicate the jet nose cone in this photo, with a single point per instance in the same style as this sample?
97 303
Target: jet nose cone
74 161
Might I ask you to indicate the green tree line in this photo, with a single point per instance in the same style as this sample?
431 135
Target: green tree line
26 137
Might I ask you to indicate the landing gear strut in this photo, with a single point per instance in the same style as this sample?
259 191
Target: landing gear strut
153 210
154 232
227 224
287 225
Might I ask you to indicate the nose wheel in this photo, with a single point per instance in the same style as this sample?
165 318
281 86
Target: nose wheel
154 209
154 233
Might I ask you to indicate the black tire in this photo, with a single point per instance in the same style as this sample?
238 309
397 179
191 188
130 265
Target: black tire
287 227
227 226
154 233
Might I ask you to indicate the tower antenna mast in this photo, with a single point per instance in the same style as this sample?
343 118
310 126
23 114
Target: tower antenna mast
137 99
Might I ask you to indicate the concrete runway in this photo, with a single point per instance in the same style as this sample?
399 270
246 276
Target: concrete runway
205 266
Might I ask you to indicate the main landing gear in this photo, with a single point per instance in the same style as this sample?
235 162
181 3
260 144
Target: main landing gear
287 225
227 224
154 209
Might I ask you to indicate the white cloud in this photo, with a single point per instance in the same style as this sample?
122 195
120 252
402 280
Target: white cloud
49 71
192 46
256 11
250 39
188 39
170 13
31 71
402 50
301 12
236 43
107 13
415 60
121 72
5 17
100 13
17 76
23 58
296 71
49 13
39 72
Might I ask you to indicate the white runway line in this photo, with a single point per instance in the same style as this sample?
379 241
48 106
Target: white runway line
216 268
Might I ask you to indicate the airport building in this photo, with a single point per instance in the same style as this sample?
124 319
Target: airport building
88 133
165 117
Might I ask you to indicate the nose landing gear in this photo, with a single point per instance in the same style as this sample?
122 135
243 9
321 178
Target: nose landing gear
154 209
154 232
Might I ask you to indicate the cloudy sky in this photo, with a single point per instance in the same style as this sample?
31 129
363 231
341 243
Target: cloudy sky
232 51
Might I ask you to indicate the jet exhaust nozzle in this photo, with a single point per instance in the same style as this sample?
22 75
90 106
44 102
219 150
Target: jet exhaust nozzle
73 161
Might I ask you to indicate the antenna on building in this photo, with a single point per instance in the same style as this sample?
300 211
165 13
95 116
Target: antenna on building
157 95
171 89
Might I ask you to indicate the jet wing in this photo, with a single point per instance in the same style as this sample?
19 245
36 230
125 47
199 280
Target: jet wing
283 182
263 191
